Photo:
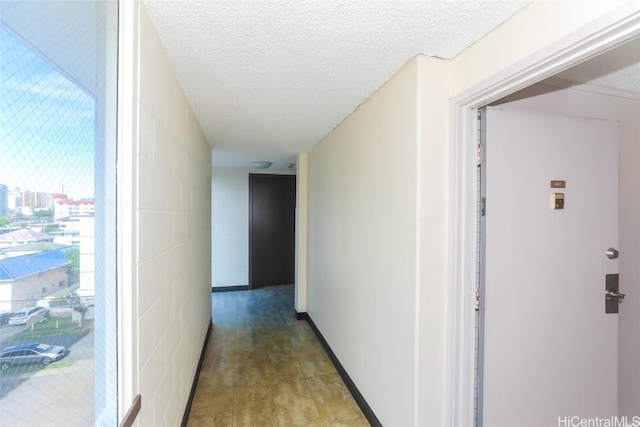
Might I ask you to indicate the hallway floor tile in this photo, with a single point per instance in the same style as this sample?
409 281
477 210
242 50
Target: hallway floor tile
262 367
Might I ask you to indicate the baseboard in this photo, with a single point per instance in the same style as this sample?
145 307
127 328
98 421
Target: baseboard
230 288
357 396
194 386
302 316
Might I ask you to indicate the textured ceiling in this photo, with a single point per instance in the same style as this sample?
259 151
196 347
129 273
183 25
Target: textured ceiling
269 79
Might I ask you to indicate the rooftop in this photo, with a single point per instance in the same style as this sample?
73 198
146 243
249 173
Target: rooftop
75 202
24 235
27 265
34 247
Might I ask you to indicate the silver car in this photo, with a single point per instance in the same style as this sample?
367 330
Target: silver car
33 353
29 315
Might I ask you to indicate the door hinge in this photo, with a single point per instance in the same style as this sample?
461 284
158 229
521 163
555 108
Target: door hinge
483 206
477 304
479 155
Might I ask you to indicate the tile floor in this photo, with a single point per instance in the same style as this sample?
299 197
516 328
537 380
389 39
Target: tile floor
262 367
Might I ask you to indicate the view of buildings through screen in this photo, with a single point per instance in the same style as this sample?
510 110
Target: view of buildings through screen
49 134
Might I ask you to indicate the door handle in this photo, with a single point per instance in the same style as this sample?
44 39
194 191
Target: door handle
612 298
613 294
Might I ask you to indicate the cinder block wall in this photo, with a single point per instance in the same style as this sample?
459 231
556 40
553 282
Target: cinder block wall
174 236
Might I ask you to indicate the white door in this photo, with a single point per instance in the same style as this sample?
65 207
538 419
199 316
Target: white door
550 351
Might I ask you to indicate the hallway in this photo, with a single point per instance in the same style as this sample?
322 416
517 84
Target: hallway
262 367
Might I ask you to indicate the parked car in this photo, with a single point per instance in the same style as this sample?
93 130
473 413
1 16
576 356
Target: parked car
4 318
28 315
32 353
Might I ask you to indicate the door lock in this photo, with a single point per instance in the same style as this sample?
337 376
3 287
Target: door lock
612 253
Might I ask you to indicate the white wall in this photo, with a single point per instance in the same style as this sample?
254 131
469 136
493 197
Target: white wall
165 228
434 78
230 227
362 234
302 241
379 296
230 224
626 111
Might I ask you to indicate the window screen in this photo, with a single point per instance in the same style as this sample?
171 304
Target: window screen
57 221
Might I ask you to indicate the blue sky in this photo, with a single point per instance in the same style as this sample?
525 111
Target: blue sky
46 125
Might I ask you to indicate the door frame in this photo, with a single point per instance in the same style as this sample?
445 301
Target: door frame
609 31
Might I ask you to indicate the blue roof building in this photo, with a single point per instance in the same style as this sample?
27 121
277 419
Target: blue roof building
20 267
27 278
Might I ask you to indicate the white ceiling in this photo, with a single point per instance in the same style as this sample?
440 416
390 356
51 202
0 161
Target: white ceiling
268 79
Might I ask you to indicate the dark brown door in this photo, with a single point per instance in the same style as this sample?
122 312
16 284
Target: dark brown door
272 203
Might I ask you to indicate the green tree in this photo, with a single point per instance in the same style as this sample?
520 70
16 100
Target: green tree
43 213
73 269
51 229
82 309
3 221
